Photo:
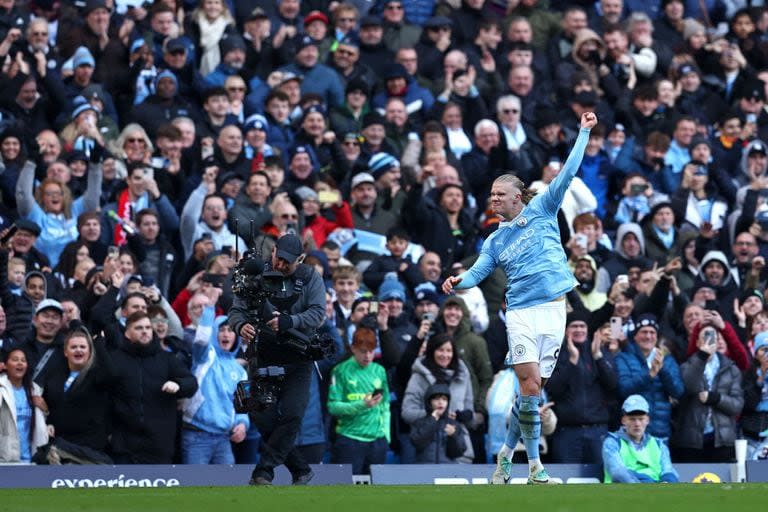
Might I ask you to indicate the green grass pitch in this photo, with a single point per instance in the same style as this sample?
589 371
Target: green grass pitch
477 498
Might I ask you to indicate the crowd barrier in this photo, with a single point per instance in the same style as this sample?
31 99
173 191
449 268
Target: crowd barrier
73 476
479 474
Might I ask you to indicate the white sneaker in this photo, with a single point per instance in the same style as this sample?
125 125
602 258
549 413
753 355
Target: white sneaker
503 470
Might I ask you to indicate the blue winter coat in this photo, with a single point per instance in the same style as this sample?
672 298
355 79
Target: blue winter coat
319 79
634 378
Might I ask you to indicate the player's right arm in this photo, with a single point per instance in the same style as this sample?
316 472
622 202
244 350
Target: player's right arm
482 268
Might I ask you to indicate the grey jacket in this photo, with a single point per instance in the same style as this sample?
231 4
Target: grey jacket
307 313
725 399
421 379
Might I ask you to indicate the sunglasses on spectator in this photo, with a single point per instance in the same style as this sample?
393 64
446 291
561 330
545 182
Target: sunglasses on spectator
289 216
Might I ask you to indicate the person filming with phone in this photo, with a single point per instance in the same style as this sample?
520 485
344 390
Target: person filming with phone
359 400
713 399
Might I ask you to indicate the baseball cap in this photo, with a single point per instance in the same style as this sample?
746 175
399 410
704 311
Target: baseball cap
288 76
49 304
256 14
361 178
175 45
634 404
289 247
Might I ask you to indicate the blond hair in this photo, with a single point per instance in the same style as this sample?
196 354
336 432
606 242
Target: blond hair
526 193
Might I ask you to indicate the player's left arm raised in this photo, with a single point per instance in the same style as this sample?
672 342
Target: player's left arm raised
588 120
553 197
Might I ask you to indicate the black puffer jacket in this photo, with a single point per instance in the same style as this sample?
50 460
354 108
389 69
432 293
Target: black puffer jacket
584 393
143 416
79 415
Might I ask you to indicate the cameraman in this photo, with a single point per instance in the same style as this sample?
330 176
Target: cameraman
299 304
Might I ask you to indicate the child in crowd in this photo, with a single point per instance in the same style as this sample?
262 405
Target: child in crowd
17 269
407 271
438 437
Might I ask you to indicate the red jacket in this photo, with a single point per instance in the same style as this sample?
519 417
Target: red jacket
322 227
735 351
180 306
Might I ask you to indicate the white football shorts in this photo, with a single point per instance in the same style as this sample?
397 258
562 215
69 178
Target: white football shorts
535 335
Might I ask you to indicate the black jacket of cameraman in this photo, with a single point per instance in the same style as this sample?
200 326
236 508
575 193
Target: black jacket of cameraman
307 312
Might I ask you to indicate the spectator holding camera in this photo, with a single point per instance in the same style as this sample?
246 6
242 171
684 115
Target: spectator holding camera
359 400
697 201
728 343
638 195
706 417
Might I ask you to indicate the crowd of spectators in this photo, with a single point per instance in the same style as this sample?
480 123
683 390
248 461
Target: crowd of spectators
144 145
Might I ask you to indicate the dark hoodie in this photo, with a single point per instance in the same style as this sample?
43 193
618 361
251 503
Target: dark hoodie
621 263
727 290
433 444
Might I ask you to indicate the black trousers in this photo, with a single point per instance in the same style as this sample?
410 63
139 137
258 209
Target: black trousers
279 424
708 453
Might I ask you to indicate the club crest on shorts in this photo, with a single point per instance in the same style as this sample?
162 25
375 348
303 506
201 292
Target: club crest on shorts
519 350
522 222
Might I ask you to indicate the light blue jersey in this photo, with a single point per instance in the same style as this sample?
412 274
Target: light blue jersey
528 247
